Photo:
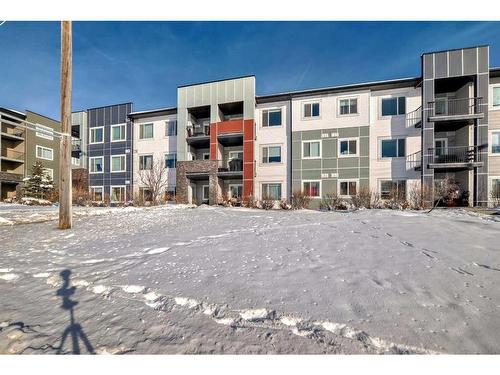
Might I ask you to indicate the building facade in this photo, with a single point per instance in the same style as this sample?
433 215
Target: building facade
110 159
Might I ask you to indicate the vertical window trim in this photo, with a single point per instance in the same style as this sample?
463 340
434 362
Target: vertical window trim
124 156
124 133
90 135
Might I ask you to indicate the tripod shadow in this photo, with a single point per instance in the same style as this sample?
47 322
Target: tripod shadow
74 329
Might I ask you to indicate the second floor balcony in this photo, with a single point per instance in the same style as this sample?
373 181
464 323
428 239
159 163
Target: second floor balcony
12 155
459 157
447 109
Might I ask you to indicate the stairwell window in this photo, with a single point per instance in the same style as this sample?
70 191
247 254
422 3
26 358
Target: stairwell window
495 143
348 106
96 164
271 154
117 133
348 147
392 189
146 131
170 160
394 106
97 135
312 188
392 148
44 153
118 163
171 128
271 191
348 188
271 117
145 162
311 110
311 149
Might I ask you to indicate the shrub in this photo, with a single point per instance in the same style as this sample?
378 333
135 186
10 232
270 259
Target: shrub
415 197
331 202
284 205
248 202
300 200
362 198
267 203
495 196
448 190
396 200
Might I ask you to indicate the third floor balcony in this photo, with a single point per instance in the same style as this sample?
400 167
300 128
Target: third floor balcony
447 109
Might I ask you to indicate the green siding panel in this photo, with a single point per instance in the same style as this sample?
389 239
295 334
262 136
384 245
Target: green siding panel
348 132
348 173
348 162
311 164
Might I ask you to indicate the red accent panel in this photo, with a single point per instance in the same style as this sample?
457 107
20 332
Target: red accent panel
247 188
248 156
248 130
213 141
230 126
248 171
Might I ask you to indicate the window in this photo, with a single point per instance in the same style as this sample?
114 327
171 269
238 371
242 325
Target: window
495 188
171 128
441 145
145 194
392 148
312 188
348 106
348 147
96 164
271 154
146 131
495 143
170 160
311 110
145 162
118 163
97 193
311 149
271 117
393 106
118 133
97 135
348 188
496 96
44 153
271 191
206 192
118 194
392 189
49 172
75 161
206 156
236 191
44 132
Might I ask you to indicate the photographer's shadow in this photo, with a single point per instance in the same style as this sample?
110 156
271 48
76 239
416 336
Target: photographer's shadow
74 329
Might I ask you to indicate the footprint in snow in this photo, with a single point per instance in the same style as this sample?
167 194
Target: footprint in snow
486 266
461 271
406 243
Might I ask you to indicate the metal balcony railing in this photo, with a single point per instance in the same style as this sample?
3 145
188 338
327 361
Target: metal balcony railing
414 118
414 161
455 155
198 130
455 107
233 165
12 154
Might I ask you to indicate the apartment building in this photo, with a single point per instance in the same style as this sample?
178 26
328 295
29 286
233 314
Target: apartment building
154 143
109 150
12 153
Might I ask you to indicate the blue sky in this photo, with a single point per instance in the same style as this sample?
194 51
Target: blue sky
144 62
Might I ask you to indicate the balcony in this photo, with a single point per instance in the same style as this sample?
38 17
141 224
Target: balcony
230 168
444 109
414 161
198 135
76 147
11 155
461 157
13 133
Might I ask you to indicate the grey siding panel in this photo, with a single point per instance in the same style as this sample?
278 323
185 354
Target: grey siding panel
428 65
441 65
482 59
470 61
455 60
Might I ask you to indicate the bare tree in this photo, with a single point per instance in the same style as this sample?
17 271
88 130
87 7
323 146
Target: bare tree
154 177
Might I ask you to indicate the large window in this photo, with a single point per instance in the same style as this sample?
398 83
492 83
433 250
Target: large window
97 193
495 143
392 189
311 149
96 164
496 96
495 189
393 106
271 117
311 110
271 191
171 128
348 106
118 194
97 135
392 148
206 193
348 188
170 160
146 131
348 147
271 154
312 188
44 132
118 163
44 153
236 191
75 161
145 162
118 133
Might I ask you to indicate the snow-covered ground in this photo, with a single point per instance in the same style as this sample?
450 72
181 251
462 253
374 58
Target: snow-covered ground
232 280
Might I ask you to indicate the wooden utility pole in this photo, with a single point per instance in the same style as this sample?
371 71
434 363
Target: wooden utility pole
65 198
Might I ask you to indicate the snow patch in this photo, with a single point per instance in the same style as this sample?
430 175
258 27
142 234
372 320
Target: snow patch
158 250
290 321
256 314
80 283
151 296
53 281
94 261
4 221
41 274
9 276
5 270
100 289
225 321
187 302
133 288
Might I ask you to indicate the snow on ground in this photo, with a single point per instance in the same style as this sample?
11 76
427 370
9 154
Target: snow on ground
228 280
